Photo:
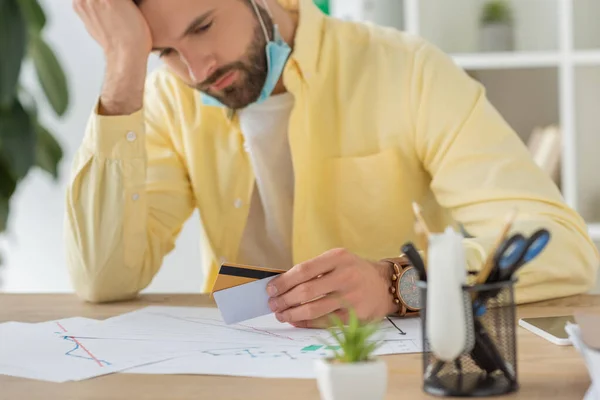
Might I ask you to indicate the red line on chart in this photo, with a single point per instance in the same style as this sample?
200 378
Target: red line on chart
80 345
267 332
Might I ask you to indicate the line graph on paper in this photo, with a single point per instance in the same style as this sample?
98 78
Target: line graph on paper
79 350
310 352
268 327
206 323
275 352
387 333
259 338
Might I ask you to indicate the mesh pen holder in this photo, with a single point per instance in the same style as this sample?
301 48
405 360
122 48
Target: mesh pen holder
490 367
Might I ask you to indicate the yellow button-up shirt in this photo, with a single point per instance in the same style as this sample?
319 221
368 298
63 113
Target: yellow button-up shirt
381 119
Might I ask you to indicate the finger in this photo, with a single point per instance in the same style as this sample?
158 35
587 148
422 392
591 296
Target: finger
308 291
310 311
306 271
323 322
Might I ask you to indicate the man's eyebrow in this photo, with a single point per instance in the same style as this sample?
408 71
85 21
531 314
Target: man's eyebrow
193 25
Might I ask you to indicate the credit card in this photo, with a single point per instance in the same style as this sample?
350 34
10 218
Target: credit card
240 292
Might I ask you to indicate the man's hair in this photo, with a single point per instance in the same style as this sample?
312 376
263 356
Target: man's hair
288 4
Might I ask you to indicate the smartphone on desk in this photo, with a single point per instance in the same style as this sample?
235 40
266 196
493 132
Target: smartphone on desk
550 328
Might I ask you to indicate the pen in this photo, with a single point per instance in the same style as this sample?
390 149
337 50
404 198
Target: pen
486 355
415 259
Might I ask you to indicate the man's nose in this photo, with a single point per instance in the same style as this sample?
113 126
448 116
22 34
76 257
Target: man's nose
200 67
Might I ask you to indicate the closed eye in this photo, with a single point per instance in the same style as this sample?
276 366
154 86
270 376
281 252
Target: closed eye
203 28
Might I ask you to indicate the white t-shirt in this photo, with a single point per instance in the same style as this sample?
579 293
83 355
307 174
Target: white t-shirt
267 239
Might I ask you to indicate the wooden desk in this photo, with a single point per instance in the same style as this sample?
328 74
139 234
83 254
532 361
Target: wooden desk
546 371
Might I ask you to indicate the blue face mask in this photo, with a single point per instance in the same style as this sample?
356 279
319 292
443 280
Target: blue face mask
278 52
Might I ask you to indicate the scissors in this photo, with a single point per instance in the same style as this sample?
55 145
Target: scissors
516 252
510 257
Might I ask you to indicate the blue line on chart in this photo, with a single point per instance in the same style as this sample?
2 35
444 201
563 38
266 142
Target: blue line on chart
69 353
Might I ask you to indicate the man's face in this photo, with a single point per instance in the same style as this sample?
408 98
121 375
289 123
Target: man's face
215 46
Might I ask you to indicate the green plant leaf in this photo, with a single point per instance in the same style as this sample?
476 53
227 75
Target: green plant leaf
8 185
50 74
13 42
17 141
34 15
48 152
4 211
354 338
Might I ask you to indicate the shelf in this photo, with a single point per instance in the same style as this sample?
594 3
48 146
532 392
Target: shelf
594 231
587 58
520 60
456 26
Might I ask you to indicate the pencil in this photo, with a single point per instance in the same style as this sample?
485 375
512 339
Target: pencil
420 219
489 262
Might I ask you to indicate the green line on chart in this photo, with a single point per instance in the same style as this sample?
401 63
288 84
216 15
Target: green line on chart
314 347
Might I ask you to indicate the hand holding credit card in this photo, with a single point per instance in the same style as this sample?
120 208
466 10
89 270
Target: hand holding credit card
240 292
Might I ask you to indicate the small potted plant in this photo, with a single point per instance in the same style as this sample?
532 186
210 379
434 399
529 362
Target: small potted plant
497 26
352 372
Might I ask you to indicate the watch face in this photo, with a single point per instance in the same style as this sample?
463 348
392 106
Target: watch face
408 289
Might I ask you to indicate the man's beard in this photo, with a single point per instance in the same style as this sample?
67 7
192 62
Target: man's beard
252 72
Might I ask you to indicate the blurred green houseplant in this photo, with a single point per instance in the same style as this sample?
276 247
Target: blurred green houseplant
353 372
496 12
24 142
354 339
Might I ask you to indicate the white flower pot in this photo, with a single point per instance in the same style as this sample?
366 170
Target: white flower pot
497 37
357 381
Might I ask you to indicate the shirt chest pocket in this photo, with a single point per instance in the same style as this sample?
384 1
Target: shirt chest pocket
370 201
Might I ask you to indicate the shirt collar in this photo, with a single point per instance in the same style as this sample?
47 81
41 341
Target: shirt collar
307 40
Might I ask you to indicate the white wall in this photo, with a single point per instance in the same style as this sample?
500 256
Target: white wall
33 251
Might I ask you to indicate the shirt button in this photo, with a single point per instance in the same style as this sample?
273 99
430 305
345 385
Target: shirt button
135 197
238 203
131 136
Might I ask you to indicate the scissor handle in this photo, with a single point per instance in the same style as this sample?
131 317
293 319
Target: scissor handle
519 251
512 251
536 244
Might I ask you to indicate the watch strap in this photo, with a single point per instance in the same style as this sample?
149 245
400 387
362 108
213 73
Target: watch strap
399 264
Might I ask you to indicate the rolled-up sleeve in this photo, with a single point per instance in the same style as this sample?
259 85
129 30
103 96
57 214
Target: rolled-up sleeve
481 171
127 200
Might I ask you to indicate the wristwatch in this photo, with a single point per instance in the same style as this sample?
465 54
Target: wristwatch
404 286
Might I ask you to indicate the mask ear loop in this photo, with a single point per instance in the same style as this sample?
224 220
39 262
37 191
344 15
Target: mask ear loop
262 23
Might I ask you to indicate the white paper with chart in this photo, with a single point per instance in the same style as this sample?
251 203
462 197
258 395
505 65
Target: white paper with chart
43 351
261 347
177 340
